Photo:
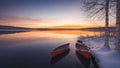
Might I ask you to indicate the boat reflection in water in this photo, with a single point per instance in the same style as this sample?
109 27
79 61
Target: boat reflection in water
59 53
95 64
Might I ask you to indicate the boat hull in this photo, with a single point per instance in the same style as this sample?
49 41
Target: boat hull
59 52
85 62
84 54
58 57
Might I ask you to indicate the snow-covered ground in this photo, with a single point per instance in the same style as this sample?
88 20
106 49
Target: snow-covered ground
106 58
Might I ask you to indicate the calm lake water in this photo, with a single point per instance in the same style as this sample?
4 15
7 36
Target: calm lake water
32 49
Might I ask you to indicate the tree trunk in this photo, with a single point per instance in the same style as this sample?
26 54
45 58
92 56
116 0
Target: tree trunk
107 24
118 26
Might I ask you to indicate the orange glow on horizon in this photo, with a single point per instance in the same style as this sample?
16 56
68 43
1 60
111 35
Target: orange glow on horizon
63 26
73 26
51 23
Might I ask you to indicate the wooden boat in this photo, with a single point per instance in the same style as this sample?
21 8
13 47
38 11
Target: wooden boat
83 50
60 50
59 57
85 63
84 55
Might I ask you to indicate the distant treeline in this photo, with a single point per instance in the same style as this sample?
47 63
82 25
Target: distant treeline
111 29
12 27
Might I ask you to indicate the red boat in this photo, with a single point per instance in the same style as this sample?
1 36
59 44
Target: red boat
82 50
60 50
85 62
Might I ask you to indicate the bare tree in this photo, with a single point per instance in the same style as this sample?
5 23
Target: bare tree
117 25
97 6
106 4
107 24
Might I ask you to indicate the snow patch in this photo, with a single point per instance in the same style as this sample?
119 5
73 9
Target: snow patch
104 48
108 58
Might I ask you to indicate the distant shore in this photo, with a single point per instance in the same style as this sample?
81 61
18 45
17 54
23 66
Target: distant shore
9 31
13 29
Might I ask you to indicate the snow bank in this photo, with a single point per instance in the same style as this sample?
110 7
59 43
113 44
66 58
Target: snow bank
108 58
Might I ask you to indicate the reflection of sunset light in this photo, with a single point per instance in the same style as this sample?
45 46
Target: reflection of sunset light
51 34
72 32
45 37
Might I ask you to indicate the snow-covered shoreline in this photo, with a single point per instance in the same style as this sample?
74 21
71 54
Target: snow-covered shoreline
106 58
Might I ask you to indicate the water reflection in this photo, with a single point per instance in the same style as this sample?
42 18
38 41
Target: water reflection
73 32
32 49
93 59
10 32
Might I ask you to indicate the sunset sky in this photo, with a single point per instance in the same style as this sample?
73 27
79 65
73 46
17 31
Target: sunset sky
45 13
